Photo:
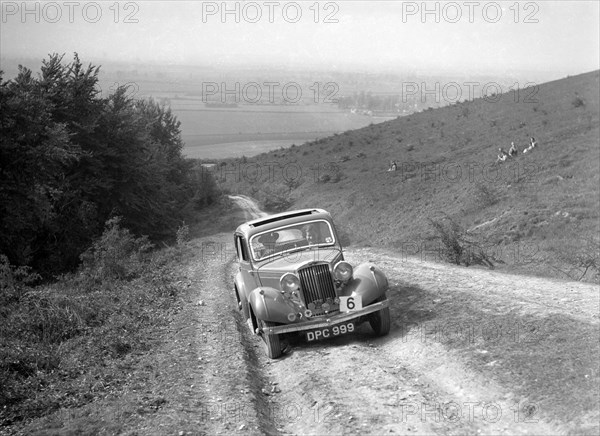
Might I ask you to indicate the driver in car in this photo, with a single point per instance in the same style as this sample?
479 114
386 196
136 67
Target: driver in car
267 244
310 233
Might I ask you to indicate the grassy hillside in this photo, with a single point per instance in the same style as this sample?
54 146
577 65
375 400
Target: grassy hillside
537 213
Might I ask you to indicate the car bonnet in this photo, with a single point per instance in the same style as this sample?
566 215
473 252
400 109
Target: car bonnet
270 272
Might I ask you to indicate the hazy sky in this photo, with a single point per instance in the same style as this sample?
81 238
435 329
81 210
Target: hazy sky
462 36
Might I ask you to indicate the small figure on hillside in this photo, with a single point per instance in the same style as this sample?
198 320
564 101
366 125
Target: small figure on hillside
513 150
532 142
393 166
532 145
502 155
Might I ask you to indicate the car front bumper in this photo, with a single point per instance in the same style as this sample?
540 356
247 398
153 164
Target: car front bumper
327 322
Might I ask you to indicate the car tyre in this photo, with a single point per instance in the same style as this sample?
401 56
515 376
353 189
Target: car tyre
380 320
271 342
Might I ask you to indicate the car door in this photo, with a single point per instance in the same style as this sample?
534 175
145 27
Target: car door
248 275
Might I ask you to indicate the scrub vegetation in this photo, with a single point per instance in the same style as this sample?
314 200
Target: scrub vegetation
535 213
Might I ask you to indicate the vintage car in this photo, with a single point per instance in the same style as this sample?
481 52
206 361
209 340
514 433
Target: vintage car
293 279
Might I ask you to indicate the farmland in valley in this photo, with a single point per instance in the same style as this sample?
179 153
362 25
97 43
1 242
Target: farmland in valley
252 129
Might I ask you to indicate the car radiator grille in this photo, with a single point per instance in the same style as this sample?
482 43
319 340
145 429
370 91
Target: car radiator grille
317 285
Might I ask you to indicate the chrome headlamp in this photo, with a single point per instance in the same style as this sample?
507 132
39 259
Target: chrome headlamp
289 282
343 271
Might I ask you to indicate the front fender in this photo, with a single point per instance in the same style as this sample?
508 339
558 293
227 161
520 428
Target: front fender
269 305
368 281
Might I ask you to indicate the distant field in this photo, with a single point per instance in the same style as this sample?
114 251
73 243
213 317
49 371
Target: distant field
249 130
238 149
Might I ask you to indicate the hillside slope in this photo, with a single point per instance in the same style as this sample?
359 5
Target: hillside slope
537 212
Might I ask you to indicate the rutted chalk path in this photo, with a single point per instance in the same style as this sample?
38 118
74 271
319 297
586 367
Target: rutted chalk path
248 206
401 384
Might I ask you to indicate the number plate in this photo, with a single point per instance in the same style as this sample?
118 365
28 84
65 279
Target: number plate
330 332
350 304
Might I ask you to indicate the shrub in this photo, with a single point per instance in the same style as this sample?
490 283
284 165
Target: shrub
14 281
275 198
486 195
577 258
577 102
458 246
183 234
333 174
117 254
293 183
336 177
203 187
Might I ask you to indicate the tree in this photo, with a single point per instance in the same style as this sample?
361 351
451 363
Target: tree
35 151
71 160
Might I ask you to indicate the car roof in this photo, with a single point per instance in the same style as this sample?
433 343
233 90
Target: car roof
277 220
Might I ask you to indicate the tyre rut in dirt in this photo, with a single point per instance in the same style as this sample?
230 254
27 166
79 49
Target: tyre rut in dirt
256 376
380 320
271 342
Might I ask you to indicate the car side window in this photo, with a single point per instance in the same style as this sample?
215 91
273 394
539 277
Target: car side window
245 254
238 247
241 248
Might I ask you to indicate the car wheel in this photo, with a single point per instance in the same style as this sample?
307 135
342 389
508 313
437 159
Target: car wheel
271 342
380 320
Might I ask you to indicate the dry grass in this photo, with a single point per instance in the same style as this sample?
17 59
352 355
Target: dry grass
69 343
446 164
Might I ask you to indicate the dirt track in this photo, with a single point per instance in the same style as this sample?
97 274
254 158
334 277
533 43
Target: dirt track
417 380
410 382
470 352
448 365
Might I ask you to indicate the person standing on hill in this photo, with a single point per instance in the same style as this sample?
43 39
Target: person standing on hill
502 155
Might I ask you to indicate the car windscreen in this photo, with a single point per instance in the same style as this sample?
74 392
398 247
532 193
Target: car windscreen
307 234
